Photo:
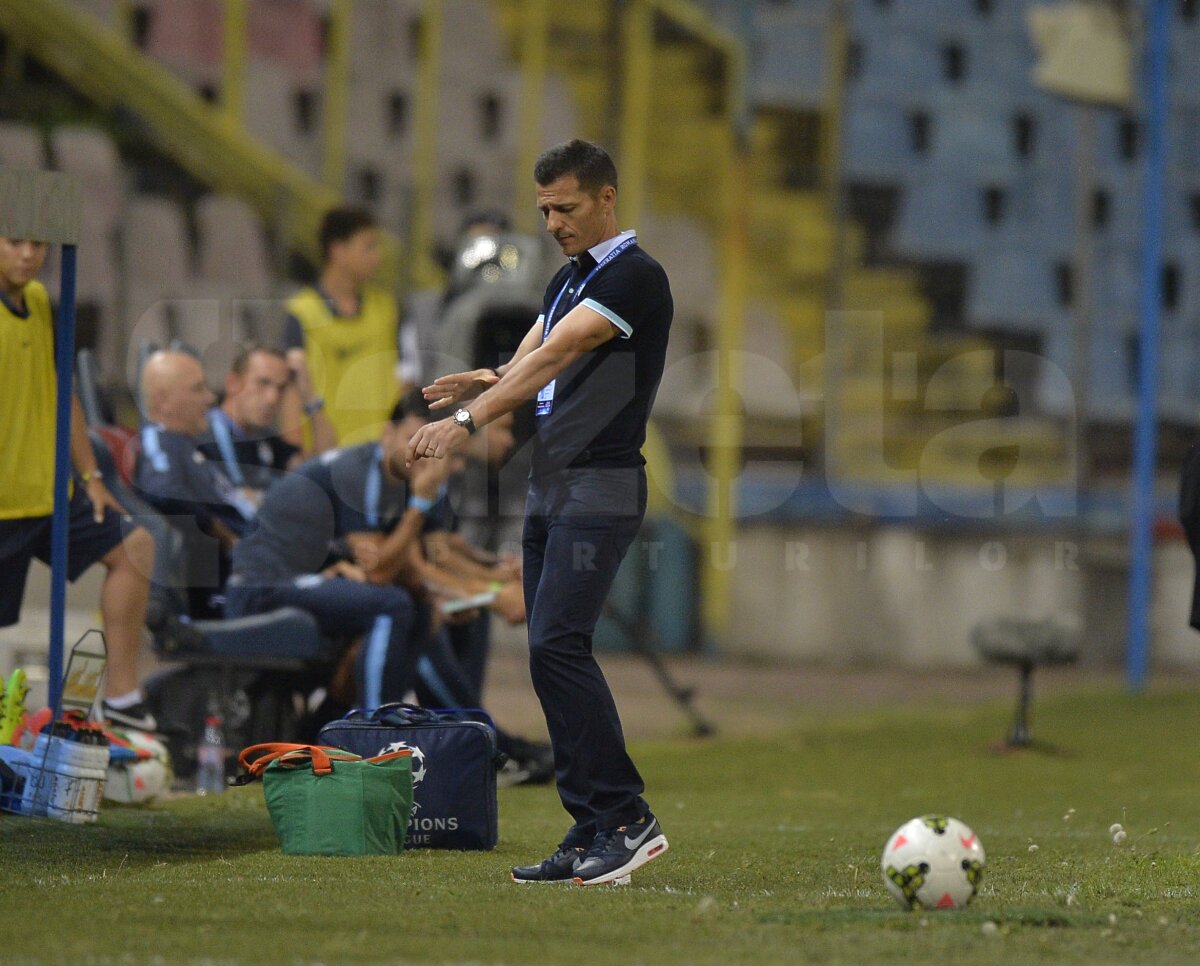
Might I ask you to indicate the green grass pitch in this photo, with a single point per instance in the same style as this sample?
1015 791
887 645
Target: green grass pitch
774 857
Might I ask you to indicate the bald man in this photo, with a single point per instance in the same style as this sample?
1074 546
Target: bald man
179 481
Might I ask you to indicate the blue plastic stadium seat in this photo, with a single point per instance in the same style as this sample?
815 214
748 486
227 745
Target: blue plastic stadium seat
286 634
1111 372
940 217
975 135
894 64
1110 389
1179 380
878 142
1011 287
791 62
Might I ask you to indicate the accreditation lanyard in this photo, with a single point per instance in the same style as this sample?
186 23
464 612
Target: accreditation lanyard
373 488
222 432
545 399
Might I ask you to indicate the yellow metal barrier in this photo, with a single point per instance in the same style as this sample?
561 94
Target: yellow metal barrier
233 72
534 26
637 35
425 274
337 95
720 524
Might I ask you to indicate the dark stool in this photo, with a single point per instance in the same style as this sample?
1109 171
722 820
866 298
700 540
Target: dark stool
1025 644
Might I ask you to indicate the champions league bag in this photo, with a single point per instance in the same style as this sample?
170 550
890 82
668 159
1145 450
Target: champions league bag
454 764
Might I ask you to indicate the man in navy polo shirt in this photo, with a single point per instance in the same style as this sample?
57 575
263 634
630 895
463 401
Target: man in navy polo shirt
593 361
243 432
180 482
334 537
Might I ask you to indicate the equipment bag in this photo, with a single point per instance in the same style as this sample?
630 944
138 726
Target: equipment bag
326 801
454 765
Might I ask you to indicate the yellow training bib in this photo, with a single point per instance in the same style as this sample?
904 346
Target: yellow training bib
352 361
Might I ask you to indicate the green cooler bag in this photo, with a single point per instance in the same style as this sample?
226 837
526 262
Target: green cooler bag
326 801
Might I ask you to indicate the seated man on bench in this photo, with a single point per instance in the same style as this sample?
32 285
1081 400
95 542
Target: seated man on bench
178 481
300 553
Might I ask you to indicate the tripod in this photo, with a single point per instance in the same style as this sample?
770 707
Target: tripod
637 628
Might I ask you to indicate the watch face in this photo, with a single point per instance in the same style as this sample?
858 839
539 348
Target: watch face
462 417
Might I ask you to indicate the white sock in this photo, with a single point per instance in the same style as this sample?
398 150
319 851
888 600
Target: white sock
122 701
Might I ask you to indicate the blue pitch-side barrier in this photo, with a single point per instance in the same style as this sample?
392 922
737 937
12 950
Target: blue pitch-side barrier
64 357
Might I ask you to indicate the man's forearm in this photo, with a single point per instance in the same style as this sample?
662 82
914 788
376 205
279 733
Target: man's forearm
395 549
521 383
451 582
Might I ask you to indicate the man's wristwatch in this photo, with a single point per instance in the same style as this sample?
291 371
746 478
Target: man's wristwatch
463 418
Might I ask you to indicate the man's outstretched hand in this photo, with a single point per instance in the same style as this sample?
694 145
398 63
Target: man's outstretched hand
460 387
435 441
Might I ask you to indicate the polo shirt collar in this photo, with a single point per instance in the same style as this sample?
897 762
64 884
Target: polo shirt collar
598 252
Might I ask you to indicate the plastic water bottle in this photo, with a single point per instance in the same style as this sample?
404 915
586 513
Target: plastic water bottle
210 757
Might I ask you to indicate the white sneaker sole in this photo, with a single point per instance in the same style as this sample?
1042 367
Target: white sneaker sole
648 852
541 881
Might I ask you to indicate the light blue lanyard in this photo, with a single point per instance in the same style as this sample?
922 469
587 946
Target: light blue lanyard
549 320
223 433
373 488
152 448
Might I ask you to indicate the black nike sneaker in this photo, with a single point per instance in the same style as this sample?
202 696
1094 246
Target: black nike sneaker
137 717
560 867
617 852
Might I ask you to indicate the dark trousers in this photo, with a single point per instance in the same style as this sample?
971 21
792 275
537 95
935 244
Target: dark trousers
451 671
578 526
394 628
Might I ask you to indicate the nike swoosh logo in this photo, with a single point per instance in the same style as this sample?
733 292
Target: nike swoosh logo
636 843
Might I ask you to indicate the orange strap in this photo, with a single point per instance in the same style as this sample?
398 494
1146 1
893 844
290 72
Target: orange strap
256 757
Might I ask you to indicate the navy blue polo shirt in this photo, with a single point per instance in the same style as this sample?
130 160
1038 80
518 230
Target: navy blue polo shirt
602 401
249 460
307 511
177 479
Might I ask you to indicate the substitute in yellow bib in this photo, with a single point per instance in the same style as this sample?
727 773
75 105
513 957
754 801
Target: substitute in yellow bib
341 334
99 531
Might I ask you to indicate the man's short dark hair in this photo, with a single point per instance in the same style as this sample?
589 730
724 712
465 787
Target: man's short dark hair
588 162
413 403
241 362
342 224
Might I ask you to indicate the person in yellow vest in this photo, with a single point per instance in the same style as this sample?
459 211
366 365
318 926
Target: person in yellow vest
341 334
100 530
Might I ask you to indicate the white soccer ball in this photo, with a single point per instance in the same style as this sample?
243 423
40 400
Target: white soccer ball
933 862
144 779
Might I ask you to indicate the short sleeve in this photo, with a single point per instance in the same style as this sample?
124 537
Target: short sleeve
293 333
628 294
174 482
